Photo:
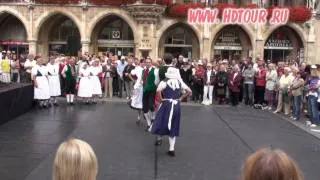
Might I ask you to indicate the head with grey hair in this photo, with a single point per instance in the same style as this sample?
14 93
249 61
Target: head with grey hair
287 70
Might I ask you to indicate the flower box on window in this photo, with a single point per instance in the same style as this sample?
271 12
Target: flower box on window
181 10
57 1
297 14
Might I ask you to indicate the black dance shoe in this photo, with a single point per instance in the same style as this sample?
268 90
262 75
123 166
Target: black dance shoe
158 142
171 153
147 129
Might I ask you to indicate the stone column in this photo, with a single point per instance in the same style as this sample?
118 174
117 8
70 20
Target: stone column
85 46
33 47
258 49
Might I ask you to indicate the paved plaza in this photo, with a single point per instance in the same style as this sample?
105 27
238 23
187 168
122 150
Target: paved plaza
213 144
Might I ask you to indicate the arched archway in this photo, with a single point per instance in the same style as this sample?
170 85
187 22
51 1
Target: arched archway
284 44
179 39
13 36
59 34
113 34
232 43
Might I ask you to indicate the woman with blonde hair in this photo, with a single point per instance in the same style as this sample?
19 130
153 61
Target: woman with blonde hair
267 164
75 160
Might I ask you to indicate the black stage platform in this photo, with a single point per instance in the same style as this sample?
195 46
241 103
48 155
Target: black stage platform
15 99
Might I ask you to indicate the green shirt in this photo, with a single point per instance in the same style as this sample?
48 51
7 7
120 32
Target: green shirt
149 85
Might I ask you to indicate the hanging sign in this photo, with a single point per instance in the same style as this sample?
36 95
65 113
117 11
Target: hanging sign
281 44
228 40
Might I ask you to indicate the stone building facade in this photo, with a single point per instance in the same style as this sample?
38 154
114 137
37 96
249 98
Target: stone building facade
146 30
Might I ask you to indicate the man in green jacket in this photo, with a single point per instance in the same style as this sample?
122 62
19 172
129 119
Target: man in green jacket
150 78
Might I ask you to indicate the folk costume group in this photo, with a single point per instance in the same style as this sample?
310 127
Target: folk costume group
162 84
47 78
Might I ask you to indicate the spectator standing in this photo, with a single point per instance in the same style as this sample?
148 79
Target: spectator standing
128 82
260 84
296 89
313 85
272 78
121 64
248 76
283 89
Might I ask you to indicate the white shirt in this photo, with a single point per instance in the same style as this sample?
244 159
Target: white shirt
208 75
29 64
137 71
53 69
235 75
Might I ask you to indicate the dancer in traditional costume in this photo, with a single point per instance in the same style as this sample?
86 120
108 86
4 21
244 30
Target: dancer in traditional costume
69 73
136 99
54 80
95 70
41 84
150 81
85 84
167 121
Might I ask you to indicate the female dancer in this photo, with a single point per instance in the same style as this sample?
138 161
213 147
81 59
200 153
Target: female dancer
167 121
136 99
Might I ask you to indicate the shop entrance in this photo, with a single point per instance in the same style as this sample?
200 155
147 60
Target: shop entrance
284 45
231 43
177 51
227 54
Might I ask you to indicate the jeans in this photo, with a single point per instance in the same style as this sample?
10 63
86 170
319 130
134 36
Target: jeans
207 91
248 94
313 109
296 111
129 88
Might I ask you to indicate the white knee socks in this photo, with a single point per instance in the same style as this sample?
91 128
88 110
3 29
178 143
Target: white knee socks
71 98
172 141
148 118
68 97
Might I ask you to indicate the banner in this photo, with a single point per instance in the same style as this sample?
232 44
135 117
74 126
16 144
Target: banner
237 16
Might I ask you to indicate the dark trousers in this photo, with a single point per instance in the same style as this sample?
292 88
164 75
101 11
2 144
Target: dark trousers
259 95
234 97
147 101
198 92
70 86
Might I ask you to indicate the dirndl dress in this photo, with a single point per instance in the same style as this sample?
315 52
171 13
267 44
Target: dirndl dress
42 91
167 121
85 84
96 84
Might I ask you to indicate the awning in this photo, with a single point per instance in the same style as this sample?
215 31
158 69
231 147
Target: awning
13 42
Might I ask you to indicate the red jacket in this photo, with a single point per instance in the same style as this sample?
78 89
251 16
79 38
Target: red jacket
261 77
234 83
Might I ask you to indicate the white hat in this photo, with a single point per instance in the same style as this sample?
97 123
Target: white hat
313 67
185 60
200 62
172 73
225 61
122 57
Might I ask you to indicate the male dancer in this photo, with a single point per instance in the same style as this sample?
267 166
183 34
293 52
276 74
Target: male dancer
69 73
150 80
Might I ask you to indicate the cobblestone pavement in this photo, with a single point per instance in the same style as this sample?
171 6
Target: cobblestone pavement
213 144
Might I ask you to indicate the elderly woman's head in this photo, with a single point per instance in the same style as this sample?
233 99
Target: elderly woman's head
75 160
287 70
271 66
266 164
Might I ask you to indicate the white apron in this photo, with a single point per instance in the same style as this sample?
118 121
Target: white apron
54 80
136 99
96 84
41 92
85 84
